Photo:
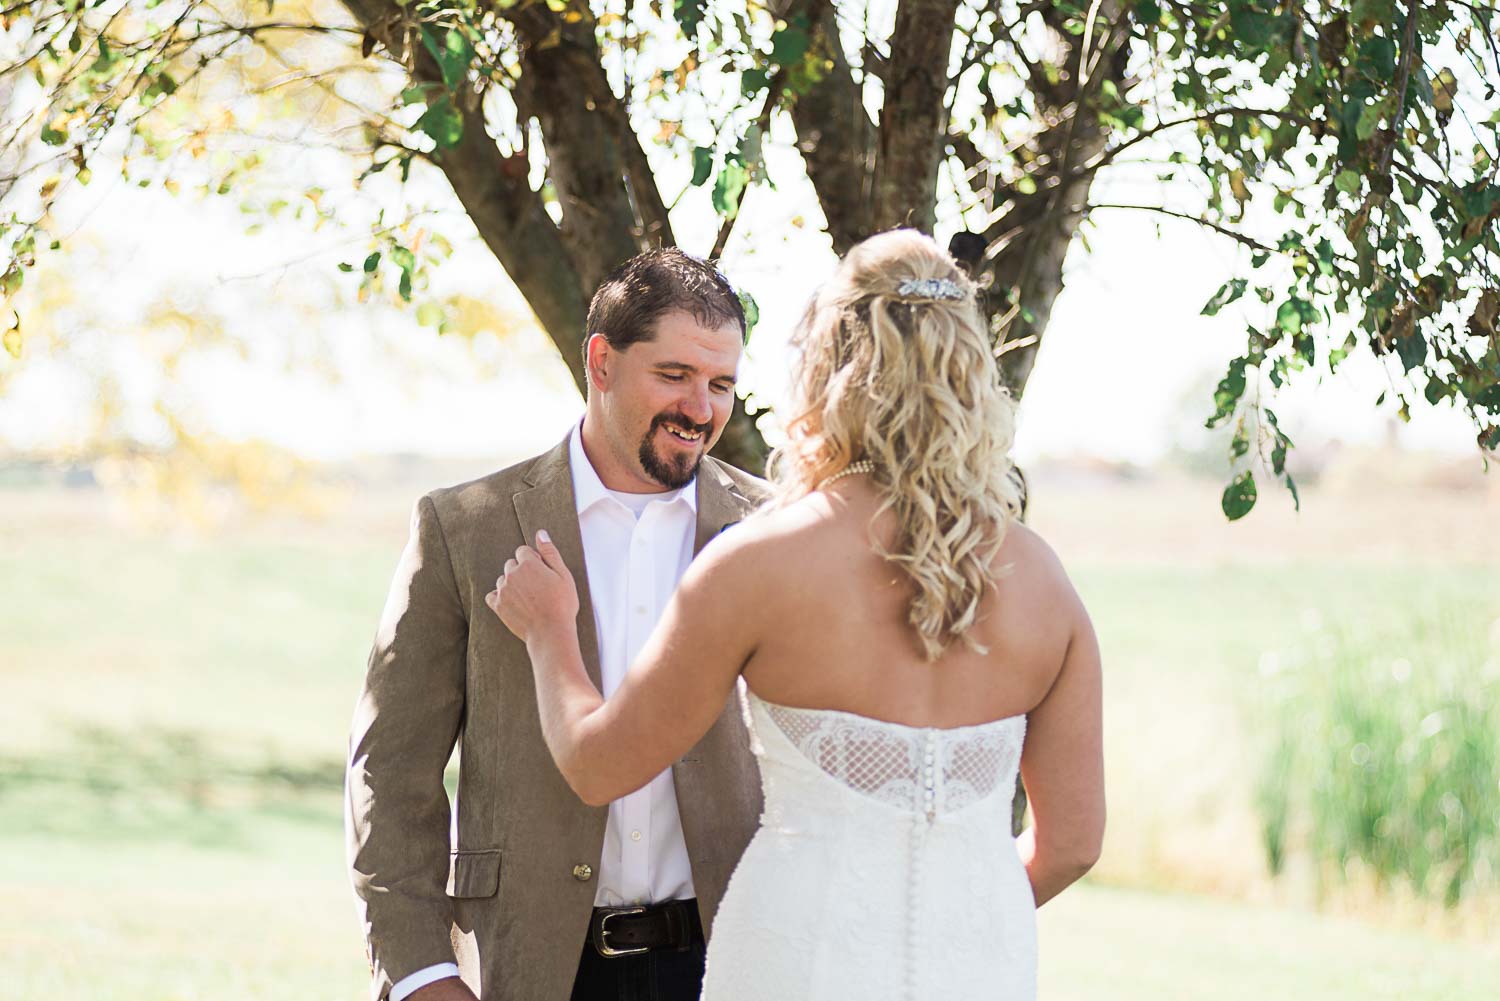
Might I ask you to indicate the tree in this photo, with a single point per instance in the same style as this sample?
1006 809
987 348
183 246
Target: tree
1348 146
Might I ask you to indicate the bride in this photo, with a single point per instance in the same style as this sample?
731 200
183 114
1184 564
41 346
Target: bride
905 646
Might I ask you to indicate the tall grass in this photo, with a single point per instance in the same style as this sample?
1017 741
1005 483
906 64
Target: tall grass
1383 758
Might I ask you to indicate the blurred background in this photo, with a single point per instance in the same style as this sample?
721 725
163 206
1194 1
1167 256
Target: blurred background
212 439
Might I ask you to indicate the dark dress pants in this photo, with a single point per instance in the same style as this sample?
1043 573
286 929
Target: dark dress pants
659 975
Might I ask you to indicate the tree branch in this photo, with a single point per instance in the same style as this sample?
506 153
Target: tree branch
913 119
774 87
834 136
510 217
1240 238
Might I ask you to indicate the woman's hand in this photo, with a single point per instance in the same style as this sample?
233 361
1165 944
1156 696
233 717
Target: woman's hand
535 595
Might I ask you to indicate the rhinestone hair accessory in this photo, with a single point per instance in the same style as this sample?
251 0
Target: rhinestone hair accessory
929 288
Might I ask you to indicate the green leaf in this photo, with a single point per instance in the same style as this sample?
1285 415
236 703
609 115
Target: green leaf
1147 12
689 14
790 43
345 267
1228 392
403 258
1240 443
443 122
1348 182
753 81
404 286
453 54
752 312
728 186
372 262
1239 496
54 137
1251 28
1292 486
429 314
1489 398
703 165
1412 350
1377 55
750 146
1228 292
1289 316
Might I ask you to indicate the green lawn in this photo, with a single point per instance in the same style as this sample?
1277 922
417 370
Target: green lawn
173 717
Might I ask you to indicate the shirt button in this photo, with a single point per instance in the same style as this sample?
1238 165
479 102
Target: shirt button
635 835
583 872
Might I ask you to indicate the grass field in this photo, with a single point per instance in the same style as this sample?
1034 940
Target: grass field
173 715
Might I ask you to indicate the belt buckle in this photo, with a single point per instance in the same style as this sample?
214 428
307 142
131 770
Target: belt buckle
601 940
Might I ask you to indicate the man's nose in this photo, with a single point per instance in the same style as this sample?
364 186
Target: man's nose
696 407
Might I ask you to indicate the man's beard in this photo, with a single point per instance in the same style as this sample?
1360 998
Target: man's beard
678 471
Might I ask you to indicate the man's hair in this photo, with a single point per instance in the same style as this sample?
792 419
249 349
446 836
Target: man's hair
639 292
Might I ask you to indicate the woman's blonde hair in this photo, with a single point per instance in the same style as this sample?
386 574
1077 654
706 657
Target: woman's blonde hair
909 382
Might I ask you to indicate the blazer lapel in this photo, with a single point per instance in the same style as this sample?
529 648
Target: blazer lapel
719 503
548 503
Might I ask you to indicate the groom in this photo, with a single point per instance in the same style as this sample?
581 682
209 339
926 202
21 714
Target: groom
520 889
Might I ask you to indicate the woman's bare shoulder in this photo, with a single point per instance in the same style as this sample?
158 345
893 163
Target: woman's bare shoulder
1026 556
762 540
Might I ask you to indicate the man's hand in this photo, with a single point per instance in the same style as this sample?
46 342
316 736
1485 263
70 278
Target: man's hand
447 989
535 594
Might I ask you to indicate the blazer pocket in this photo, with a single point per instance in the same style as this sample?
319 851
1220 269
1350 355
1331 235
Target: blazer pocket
473 873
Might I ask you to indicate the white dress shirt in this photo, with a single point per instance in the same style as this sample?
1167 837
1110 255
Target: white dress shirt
636 547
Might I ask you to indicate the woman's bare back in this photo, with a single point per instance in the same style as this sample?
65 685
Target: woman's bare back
833 630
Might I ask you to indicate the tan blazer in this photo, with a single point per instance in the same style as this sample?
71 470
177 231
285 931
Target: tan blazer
511 893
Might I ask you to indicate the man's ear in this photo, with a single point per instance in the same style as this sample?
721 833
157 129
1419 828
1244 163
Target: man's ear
597 359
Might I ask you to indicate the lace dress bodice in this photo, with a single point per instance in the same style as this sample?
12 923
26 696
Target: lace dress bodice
924 771
884 866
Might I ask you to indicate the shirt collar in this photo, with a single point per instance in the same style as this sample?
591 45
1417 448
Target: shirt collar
589 490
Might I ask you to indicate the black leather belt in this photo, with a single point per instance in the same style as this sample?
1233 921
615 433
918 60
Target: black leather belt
633 931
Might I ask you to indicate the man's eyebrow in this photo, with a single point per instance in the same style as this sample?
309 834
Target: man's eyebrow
682 366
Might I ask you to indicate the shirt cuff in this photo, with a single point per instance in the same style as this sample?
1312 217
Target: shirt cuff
411 983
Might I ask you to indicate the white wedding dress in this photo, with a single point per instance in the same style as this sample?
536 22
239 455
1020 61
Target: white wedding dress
884 867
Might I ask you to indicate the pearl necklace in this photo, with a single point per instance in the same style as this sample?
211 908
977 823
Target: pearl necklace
862 466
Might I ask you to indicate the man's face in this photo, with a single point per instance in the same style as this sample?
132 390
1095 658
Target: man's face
665 401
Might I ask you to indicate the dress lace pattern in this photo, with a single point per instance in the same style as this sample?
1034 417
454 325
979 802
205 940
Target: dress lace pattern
899 765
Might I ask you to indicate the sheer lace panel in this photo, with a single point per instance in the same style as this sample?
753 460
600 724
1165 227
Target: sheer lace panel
976 765
875 761
900 765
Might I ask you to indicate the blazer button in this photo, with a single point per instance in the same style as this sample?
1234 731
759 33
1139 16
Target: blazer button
583 872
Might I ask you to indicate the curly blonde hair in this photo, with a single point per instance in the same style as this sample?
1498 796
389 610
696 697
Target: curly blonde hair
910 383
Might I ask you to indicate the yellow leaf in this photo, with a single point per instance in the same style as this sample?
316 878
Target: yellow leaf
13 339
1237 186
1444 88
680 74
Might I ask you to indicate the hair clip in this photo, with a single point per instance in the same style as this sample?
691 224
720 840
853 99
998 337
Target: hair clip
929 288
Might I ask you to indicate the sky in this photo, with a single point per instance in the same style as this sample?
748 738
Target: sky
1124 374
